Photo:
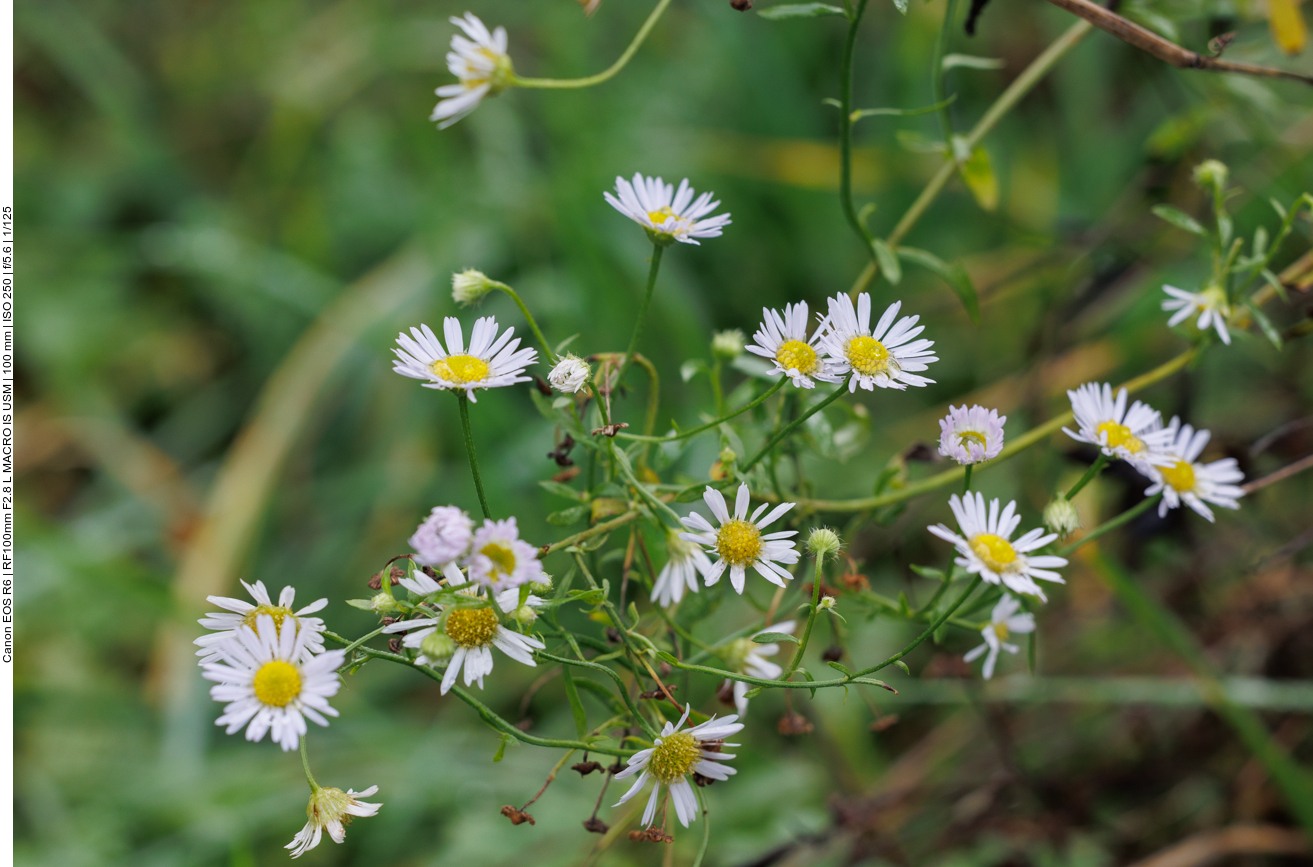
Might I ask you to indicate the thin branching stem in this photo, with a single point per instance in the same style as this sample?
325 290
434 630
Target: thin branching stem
610 71
464 402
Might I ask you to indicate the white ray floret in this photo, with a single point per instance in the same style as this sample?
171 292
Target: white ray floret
330 810
1102 420
500 559
443 536
1180 478
463 638
1004 621
1211 306
480 61
242 613
885 356
738 541
684 563
987 550
746 656
970 435
667 214
784 340
491 361
269 685
676 755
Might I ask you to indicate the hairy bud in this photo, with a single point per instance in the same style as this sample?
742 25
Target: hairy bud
727 345
1211 173
1061 517
823 543
469 286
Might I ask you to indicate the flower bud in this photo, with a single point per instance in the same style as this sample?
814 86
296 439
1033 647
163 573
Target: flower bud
1211 173
823 543
383 604
570 374
437 648
524 616
1061 517
542 586
727 345
827 604
727 455
469 286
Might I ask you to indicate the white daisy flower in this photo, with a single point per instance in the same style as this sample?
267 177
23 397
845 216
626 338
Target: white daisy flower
1210 304
464 637
1181 479
245 614
665 214
783 339
739 542
499 558
684 562
745 656
1004 621
482 65
1130 434
674 756
268 682
330 810
882 357
444 536
986 550
570 374
970 435
490 361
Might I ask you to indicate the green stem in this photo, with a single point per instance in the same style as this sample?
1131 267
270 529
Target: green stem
937 73
595 530
756 402
305 766
609 72
464 402
1160 621
533 324
793 425
657 251
966 479
846 128
716 394
811 619
610 672
706 828
1095 468
361 640
938 622
1111 524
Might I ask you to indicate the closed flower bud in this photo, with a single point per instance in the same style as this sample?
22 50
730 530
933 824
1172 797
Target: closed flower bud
469 286
1061 517
437 648
1211 173
569 375
384 604
727 345
827 604
823 543
524 616
542 585
727 455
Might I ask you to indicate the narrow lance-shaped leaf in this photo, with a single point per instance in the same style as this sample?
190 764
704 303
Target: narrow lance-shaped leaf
952 273
1180 219
799 10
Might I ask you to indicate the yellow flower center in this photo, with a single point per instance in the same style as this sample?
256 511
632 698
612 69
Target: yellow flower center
502 557
1214 298
277 612
472 627
1001 630
994 551
797 355
867 355
970 436
329 805
674 757
738 542
277 683
1120 435
461 369
1179 475
661 214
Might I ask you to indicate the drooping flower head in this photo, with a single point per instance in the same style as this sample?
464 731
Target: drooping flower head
738 541
268 683
500 559
987 549
1004 621
1210 304
469 286
243 613
970 435
480 61
489 362
666 214
886 356
570 374
676 755
443 536
1181 479
1104 421
684 562
462 637
746 656
784 340
330 810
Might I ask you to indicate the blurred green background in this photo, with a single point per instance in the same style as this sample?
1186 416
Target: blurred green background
226 211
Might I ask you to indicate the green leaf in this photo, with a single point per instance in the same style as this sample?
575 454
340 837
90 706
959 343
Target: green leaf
807 675
870 681
953 274
566 517
587 597
928 572
970 61
576 706
692 368
563 491
839 667
501 748
1265 324
752 693
667 657
901 6
888 262
860 113
978 173
903 666
772 637
1179 219
1276 284
802 10
362 604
